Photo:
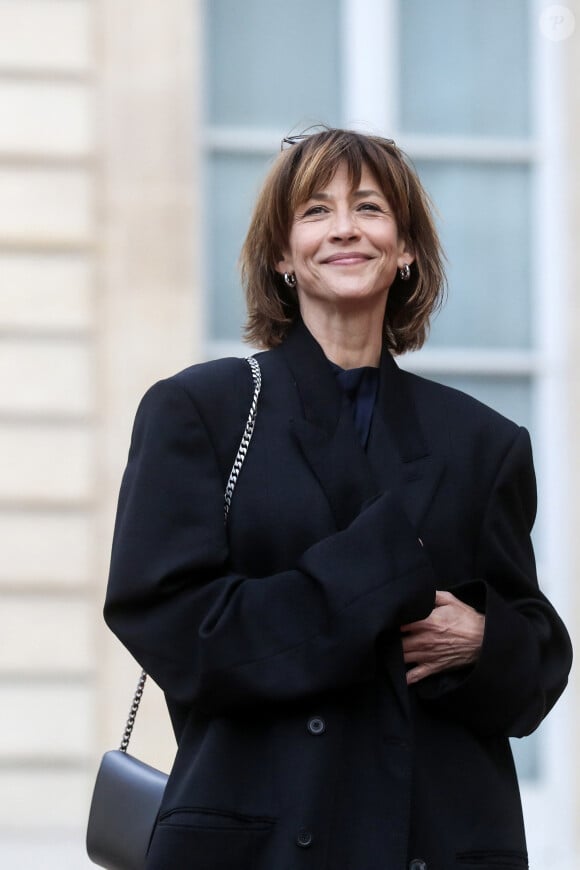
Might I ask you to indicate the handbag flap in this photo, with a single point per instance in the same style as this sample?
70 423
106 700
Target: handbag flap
124 808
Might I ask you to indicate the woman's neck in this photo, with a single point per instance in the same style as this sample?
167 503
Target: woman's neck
349 339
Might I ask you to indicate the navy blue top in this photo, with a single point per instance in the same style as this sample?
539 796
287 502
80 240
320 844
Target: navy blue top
360 387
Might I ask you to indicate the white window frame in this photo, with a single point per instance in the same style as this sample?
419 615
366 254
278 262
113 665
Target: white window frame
369 39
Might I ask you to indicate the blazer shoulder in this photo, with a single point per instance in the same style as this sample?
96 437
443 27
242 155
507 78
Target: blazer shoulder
212 398
205 384
462 412
211 377
218 390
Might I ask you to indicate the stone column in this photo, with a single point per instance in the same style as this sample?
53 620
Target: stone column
149 295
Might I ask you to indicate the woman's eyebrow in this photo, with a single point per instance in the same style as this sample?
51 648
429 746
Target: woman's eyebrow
359 194
363 193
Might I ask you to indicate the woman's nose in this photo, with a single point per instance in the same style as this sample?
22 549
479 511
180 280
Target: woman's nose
344 224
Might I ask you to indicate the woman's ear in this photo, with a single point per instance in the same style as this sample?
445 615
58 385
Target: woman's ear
406 254
284 265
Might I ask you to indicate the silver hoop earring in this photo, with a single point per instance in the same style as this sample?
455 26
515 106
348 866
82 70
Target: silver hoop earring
290 279
405 272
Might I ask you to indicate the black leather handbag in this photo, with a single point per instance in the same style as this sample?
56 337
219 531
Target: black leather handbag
128 793
126 800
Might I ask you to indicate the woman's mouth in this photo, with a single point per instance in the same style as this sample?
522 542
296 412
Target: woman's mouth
346 259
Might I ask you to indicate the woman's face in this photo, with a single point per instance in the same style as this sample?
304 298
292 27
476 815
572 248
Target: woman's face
344 246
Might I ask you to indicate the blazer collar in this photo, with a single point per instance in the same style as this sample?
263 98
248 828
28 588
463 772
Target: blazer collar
313 377
396 408
398 454
398 450
325 430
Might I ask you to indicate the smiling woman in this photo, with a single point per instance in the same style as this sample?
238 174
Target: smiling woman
345 663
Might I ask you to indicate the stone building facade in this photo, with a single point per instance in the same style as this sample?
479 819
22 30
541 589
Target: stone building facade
104 289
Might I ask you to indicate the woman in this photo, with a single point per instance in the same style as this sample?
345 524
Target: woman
345 662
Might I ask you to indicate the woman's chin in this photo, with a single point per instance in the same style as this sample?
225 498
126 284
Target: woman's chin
345 293
352 298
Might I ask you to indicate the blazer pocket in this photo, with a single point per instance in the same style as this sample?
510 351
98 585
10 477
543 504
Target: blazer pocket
491 859
207 839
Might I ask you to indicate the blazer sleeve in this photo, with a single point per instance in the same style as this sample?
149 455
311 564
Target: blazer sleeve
211 636
526 653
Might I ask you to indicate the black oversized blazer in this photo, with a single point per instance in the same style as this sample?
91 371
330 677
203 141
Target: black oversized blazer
277 639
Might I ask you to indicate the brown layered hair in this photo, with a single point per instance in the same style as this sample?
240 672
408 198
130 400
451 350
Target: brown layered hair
308 164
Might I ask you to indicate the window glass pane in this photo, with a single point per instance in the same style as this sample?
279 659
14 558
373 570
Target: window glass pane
527 756
273 63
484 222
232 185
465 67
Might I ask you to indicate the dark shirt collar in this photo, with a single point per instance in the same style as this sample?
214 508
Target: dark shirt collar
360 387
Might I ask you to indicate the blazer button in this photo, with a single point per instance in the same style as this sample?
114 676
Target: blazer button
316 725
417 864
304 839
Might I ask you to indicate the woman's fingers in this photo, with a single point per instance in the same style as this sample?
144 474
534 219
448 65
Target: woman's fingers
450 637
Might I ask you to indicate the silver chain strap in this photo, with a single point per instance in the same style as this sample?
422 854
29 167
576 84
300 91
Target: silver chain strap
133 712
232 480
246 437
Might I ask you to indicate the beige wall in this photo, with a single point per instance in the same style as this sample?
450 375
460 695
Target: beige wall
48 409
148 307
98 298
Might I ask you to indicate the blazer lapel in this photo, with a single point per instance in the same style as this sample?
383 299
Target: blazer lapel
398 451
401 459
325 430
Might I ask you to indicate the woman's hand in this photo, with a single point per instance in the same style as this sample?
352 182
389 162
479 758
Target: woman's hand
449 638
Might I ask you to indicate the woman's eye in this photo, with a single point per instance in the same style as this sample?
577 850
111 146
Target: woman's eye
314 210
369 206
